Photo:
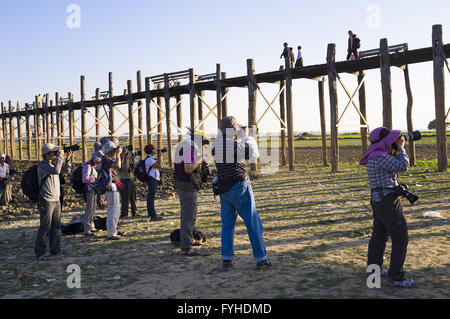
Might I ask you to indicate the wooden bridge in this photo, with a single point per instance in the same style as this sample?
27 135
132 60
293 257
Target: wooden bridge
42 117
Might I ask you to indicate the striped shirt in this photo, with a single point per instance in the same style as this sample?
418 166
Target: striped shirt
382 170
230 155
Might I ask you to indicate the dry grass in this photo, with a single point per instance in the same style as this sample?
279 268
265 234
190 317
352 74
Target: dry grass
317 226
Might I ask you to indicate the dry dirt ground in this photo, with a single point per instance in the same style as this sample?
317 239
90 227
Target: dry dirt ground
317 226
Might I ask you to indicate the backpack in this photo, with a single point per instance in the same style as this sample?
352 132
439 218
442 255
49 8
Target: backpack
139 170
102 181
196 235
30 184
77 181
357 42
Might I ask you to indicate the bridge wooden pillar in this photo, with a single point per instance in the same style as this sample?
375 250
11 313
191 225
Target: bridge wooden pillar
282 100
58 119
200 109
158 118
140 124
385 68
47 125
97 115
11 132
179 116
27 128
192 98
71 120
323 130
409 120
19 131
362 109
224 105
252 96
83 119
218 94
439 96
112 133
148 114
130 113
37 142
52 124
168 127
334 114
289 113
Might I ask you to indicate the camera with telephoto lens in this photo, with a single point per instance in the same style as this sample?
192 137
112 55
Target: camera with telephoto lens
163 150
413 136
137 153
72 148
403 190
128 148
206 172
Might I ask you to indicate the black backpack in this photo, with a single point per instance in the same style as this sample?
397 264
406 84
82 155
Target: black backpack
357 42
30 184
140 172
77 181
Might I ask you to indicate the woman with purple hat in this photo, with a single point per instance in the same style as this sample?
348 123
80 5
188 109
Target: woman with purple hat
384 158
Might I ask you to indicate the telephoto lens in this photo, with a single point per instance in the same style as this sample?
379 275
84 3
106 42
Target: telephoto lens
163 150
128 147
137 153
413 136
72 148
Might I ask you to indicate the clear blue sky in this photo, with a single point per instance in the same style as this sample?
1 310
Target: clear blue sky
40 54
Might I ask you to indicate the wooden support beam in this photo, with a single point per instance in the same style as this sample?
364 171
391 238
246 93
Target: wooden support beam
289 113
37 129
224 108
252 97
334 114
11 132
28 129
385 68
47 126
439 96
200 110
168 127
323 129
97 115
52 124
362 109
140 124
130 113
58 120
158 119
282 122
179 116
218 94
112 133
192 98
71 120
83 119
148 114
2 149
19 132
409 119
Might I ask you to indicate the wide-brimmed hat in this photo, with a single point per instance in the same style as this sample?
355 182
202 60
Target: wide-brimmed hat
109 146
49 147
97 156
2 155
381 138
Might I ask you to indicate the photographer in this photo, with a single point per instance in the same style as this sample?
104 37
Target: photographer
128 195
89 177
4 178
111 162
189 164
230 149
152 167
383 159
49 204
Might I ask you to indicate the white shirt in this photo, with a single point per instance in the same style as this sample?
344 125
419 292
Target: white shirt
4 170
154 172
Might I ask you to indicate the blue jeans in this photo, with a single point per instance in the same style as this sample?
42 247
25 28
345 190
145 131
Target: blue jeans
151 195
240 200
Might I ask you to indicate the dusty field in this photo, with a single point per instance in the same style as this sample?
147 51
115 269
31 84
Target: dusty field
317 226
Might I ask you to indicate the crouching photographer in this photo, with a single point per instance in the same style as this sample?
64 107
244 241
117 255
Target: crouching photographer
384 158
190 168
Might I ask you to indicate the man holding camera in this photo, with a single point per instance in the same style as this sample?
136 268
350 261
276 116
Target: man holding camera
49 204
111 162
152 167
383 159
189 164
128 195
230 149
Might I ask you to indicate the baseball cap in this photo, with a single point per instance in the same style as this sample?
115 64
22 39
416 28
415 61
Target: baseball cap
49 147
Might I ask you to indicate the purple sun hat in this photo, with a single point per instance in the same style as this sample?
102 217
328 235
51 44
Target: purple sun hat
381 138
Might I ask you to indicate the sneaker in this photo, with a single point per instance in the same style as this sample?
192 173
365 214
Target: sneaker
227 265
263 264
407 283
156 219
